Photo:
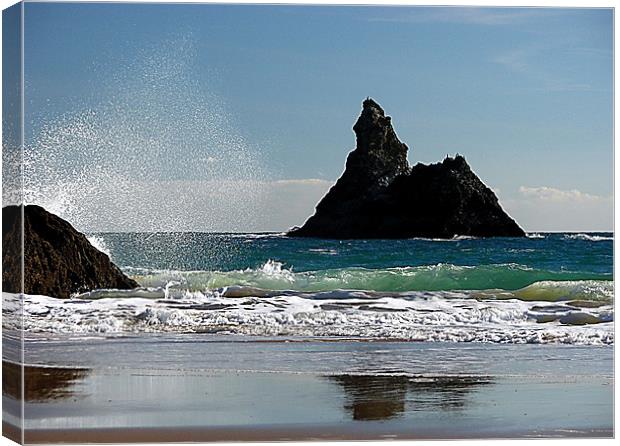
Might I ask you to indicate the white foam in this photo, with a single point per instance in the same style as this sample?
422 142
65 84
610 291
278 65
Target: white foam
324 251
425 316
588 237
535 235
455 238
464 237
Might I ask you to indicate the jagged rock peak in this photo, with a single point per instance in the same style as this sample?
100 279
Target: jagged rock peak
380 196
372 116
379 155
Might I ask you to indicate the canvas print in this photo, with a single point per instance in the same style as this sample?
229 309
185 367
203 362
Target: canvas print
229 222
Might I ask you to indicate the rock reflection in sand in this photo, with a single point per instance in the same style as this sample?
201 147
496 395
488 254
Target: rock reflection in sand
41 383
381 397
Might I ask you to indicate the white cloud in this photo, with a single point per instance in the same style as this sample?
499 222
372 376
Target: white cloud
526 62
516 60
544 208
558 195
463 15
479 16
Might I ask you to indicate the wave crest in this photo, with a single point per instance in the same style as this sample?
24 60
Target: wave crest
440 277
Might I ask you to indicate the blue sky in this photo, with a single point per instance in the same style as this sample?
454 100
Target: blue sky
524 94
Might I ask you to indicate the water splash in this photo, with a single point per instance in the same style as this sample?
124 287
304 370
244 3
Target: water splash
274 269
154 150
100 244
12 165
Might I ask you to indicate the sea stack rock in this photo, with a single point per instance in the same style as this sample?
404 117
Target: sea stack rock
58 260
380 196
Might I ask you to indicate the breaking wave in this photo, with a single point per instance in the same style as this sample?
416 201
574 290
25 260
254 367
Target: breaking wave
441 277
494 303
497 316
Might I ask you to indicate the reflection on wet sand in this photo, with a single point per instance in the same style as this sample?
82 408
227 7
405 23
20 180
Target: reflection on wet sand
374 397
41 383
377 397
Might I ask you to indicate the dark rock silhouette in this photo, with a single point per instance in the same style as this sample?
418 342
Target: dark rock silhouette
380 196
58 260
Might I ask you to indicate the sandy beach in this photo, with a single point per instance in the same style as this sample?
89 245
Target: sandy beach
185 390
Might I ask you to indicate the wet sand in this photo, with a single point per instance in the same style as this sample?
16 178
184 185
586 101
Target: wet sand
264 434
413 391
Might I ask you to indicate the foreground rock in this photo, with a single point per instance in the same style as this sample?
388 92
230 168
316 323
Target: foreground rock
380 196
58 261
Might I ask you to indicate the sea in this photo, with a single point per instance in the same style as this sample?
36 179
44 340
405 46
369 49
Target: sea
544 288
265 337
